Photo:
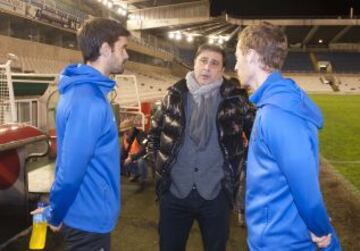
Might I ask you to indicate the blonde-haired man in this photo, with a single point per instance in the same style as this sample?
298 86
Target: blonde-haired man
284 206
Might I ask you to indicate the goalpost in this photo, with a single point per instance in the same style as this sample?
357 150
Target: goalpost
7 100
127 96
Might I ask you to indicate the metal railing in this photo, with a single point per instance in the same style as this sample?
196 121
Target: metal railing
28 111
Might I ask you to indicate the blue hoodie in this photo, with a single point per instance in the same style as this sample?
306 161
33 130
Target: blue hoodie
86 191
283 198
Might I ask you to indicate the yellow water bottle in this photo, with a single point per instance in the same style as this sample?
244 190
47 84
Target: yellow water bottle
39 230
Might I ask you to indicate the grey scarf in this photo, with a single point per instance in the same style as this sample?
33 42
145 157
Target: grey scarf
203 109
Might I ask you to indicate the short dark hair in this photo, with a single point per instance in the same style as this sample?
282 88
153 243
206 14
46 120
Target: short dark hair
96 31
235 81
211 47
268 40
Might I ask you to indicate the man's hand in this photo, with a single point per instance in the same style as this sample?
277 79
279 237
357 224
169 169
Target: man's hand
54 228
40 210
321 242
127 161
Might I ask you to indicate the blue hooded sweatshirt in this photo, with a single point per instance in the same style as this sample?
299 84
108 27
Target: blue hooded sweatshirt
86 192
283 198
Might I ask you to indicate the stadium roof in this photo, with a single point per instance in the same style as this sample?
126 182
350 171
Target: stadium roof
307 23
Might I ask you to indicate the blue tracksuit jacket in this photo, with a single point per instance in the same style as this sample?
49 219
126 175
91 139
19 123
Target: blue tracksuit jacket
86 191
283 199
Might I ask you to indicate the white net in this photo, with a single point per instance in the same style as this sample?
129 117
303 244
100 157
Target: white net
127 92
5 107
127 96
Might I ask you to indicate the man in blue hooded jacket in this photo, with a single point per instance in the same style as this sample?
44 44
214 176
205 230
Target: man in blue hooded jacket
85 196
284 206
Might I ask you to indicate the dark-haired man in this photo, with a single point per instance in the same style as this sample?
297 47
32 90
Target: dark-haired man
85 196
196 139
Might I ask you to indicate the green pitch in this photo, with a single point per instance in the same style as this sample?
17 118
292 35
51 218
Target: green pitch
340 137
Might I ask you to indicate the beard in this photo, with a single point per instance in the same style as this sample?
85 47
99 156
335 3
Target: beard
119 69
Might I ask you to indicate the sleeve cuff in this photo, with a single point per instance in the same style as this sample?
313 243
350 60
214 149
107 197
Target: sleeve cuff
49 216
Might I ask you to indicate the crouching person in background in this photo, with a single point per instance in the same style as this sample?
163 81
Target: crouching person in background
133 144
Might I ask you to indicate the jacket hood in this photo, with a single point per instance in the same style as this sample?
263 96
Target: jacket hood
286 95
78 74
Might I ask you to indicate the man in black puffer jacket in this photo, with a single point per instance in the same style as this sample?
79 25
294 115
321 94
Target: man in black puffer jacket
197 144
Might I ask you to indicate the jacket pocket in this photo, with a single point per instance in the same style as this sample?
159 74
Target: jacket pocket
265 220
106 205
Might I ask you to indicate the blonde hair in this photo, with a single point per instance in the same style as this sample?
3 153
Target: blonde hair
268 40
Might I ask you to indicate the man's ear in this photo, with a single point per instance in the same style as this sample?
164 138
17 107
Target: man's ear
105 49
252 56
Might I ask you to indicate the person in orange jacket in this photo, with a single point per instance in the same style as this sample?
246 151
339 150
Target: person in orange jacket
133 150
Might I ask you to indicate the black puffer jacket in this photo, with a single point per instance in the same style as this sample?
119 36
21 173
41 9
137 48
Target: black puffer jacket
234 116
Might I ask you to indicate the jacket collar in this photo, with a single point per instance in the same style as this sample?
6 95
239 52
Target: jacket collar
227 88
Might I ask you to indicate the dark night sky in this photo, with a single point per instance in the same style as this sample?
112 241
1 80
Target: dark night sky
285 8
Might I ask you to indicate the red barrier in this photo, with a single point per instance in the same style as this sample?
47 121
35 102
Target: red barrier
13 135
14 203
52 135
9 168
146 109
13 138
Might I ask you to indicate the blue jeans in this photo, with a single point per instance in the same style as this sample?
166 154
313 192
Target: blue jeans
177 217
138 168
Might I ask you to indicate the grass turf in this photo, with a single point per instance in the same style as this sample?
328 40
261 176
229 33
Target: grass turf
340 137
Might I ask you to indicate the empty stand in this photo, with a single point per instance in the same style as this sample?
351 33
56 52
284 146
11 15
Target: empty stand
310 83
298 62
349 83
341 62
